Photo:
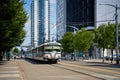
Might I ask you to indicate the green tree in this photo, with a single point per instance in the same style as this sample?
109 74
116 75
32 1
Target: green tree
16 50
83 40
67 42
111 34
113 39
104 36
12 20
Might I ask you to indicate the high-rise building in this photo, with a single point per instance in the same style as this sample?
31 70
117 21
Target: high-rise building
40 22
84 13
76 13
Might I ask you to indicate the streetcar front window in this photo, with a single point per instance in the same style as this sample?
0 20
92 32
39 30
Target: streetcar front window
48 50
57 50
51 50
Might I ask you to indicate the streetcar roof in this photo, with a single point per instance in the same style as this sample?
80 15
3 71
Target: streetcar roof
50 43
47 43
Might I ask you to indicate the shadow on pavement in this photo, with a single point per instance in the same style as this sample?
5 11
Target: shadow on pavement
35 61
3 62
101 64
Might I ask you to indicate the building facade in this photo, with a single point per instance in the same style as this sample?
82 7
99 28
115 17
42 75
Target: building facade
84 13
34 23
40 22
76 13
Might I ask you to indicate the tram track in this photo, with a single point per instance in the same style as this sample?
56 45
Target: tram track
95 69
73 70
78 70
99 73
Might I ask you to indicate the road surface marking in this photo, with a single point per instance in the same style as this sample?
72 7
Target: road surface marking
9 75
3 72
99 75
9 67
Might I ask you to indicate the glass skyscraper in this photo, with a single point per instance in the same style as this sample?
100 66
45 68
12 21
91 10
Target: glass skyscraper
40 22
76 13
83 13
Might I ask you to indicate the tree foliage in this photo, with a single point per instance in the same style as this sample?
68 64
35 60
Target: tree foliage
12 20
83 40
67 42
105 36
16 50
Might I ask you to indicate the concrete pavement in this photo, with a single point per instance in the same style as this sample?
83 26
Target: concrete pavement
98 62
9 70
93 61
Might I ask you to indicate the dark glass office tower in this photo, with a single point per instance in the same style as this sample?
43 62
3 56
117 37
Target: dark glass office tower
79 13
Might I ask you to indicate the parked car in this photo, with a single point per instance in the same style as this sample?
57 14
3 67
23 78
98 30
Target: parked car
107 58
114 57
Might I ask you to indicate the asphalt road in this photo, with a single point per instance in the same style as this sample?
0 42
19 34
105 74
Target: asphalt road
36 70
96 69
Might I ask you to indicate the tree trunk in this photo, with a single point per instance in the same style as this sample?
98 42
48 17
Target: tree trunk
1 56
103 55
111 59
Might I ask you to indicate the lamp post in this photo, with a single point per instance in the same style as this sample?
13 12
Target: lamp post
116 29
75 29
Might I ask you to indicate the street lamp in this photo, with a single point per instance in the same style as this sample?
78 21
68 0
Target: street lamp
116 29
75 28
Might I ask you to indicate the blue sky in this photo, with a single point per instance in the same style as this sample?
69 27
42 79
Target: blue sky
27 25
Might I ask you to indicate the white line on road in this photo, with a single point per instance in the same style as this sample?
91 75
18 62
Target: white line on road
3 72
9 75
9 67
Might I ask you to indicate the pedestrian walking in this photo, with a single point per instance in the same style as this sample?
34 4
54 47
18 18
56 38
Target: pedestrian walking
8 56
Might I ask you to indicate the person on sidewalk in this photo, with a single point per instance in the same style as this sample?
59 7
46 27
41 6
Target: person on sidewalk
8 56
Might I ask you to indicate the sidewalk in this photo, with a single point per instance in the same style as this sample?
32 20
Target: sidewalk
99 61
9 70
93 62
